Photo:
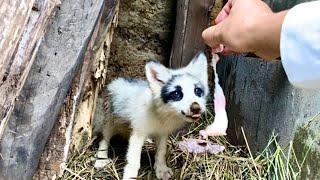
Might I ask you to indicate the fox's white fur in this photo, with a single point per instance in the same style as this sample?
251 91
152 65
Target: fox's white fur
156 107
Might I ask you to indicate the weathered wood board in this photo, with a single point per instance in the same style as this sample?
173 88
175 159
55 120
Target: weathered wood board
192 18
260 98
74 122
22 25
14 16
59 57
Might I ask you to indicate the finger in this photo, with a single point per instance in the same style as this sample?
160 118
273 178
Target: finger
221 16
224 13
217 49
212 36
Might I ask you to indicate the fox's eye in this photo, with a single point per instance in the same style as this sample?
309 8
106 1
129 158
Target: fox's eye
198 92
176 95
171 96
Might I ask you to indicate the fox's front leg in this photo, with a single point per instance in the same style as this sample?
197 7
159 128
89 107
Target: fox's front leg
133 155
160 165
102 154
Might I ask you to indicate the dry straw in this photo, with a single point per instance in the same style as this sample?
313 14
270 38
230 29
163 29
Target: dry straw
236 162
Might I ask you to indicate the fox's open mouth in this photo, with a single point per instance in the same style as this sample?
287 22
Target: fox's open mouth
194 117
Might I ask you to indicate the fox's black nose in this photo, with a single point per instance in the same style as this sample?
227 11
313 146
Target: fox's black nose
195 108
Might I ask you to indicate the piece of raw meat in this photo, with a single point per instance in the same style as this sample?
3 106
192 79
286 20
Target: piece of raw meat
200 146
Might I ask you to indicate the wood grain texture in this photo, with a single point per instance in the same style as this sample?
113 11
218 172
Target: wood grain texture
93 77
192 18
74 121
59 57
14 15
260 98
15 66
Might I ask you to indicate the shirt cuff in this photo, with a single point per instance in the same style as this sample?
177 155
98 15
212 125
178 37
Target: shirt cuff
300 45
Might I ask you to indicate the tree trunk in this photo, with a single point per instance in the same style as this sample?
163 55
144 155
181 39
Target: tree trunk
69 40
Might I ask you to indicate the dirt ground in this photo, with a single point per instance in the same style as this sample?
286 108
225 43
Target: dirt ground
144 32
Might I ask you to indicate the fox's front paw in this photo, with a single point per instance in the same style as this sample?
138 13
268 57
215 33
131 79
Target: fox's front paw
163 172
130 172
213 131
100 163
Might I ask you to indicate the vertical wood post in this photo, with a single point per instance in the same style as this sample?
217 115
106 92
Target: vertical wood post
192 18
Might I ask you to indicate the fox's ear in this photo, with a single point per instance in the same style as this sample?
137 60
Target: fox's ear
198 67
157 75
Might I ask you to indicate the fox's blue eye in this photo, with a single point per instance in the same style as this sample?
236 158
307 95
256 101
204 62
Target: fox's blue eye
176 95
198 92
169 94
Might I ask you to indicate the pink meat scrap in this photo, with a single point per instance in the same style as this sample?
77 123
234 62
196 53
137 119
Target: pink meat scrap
199 146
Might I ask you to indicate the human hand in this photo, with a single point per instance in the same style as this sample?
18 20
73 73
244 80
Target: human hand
246 26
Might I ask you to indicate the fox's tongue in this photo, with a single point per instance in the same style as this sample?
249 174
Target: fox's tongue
196 115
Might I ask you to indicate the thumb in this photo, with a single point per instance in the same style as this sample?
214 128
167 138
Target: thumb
212 36
224 13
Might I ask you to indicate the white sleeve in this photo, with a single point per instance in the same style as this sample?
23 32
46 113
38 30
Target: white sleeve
300 45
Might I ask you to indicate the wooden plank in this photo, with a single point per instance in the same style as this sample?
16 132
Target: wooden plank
13 19
93 82
19 64
14 15
192 18
74 122
59 57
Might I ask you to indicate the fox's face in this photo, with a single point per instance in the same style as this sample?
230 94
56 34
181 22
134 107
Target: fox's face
185 90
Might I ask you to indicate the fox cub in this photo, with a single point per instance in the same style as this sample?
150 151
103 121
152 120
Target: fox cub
154 108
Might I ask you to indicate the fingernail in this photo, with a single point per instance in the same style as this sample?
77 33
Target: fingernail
219 49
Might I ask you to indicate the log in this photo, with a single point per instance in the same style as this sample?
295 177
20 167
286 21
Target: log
22 25
192 18
260 98
59 58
